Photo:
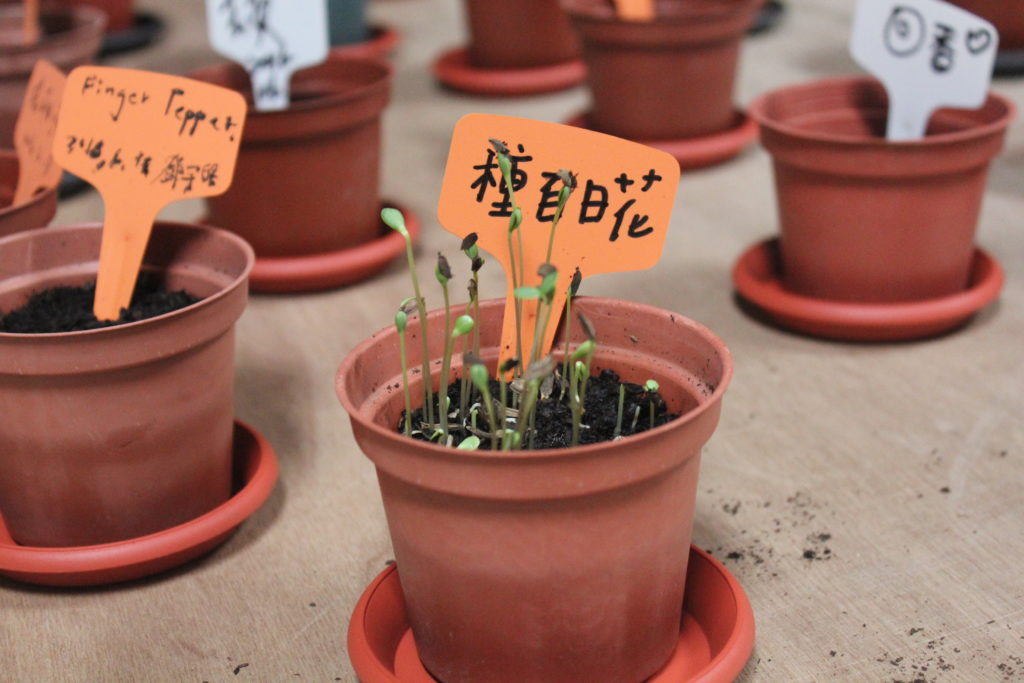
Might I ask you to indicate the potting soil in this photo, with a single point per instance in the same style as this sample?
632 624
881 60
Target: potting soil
69 309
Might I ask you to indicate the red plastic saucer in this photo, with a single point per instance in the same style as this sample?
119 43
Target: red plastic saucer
715 639
314 272
255 466
756 278
703 151
454 70
381 42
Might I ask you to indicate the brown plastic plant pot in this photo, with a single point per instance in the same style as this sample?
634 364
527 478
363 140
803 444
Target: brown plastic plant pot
549 565
70 37
307 178
519 35
668 79
124 431
515 48
36 212
866 220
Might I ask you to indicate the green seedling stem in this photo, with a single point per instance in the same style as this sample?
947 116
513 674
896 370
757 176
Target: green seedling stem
401 320
651 386
462 327
394 219
517 273
618 415
443 273
575 402
478 374
568 185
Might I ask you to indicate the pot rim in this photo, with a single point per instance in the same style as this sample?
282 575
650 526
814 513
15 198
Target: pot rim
250 258
605 13
10 156
757 109
86 19
331 99
590 450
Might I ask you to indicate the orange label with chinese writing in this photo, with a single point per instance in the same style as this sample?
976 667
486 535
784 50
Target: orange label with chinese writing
616 219
635 10
34 131
143 140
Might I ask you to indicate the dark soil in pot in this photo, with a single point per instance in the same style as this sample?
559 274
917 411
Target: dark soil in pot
554 417
69 309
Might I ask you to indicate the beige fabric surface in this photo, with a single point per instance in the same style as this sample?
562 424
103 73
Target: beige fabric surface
856 442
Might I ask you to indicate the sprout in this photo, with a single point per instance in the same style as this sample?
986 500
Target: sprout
469 242
478 374
401 321
617 434
394 219
651 387
462 327
470 443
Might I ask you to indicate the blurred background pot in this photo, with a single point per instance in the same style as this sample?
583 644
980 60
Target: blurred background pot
519 35
307 180
120 13
866 220
119 432
668 79
1006 15
529 566
70 37
35 213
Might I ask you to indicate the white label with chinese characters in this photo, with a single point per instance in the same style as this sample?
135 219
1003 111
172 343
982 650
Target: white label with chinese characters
272 39
928 53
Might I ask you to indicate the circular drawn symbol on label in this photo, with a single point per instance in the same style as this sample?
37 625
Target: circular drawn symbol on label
904 31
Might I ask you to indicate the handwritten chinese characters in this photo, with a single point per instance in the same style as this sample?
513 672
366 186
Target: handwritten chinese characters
144 140
596 198
907 32
615 220
928 53
271 39
35 129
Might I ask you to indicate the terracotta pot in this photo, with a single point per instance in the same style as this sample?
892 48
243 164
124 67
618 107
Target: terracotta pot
115 433
866 220
1006 16
120 13
35 213
668 79
549 565
70 37
519 35
307 178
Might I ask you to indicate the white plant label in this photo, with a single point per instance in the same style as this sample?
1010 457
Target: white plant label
928 53
272 39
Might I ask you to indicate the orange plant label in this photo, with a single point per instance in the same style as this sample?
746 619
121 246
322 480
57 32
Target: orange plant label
635 10
34 130
615 220
143 140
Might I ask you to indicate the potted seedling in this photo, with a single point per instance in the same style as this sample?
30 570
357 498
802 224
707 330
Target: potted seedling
878 197
65 36
499 61
306 189
118 443
665 76
540 485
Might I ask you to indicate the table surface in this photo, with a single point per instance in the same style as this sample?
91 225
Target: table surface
907 458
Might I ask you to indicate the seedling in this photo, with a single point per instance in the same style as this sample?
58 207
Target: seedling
651 387
401 321
394 219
